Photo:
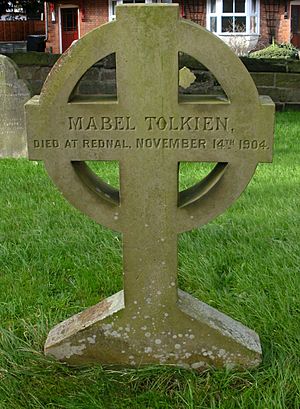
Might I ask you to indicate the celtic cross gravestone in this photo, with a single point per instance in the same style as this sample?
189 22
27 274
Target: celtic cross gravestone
149 129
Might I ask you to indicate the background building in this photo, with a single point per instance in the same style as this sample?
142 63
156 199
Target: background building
243 24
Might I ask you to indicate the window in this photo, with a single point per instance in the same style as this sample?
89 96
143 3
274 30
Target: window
233 16
113 4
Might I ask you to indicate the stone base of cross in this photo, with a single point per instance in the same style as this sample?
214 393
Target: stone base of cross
190 334
150 129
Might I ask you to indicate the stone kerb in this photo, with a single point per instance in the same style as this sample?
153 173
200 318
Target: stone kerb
149 128
13 95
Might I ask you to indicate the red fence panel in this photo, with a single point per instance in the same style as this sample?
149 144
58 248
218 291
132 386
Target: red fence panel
19 30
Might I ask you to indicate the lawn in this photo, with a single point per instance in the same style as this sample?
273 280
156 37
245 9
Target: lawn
54 262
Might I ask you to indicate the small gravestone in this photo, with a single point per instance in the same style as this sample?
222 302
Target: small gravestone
13 95
149 129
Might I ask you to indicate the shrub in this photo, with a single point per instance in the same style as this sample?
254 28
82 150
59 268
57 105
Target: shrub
285 50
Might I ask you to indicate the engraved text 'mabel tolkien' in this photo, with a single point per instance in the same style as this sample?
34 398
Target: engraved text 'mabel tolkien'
152 123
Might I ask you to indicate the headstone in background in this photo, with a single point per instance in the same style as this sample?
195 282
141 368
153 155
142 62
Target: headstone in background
13 95
149 129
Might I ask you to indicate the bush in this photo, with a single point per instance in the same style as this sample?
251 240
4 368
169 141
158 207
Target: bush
285 50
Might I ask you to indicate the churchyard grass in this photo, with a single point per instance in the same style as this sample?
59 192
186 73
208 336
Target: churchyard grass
54 262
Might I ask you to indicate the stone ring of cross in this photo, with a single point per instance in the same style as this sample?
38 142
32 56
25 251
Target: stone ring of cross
149 129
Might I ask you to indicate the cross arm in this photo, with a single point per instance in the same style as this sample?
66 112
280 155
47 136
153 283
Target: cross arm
60 144
237 139
221 132
84 130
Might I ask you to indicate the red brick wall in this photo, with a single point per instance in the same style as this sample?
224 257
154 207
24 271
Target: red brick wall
193 10
53 35
282 30
95 14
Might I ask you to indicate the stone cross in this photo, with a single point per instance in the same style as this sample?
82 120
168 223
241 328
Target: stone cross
13 95
149 129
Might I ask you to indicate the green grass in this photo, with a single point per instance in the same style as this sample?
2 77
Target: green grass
54 262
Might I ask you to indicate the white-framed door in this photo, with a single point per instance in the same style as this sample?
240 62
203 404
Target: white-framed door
69 27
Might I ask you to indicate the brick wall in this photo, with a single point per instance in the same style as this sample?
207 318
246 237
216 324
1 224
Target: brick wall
280 79
282 24
283 31
95 14
52 44
264 31
193 10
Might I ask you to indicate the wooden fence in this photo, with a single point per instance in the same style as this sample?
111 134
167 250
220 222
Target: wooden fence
19 30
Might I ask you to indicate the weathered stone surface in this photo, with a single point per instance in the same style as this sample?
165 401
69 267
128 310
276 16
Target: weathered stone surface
149 129
110 61
106 333
186 60
277 94
28 72
36 86
96 88
13 95
264 79
92 74
287 80
292 95
34 76
186 77
293 66
289 97
108 74
293 106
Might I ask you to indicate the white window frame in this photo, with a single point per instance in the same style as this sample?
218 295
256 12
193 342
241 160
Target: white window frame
219 14
112 16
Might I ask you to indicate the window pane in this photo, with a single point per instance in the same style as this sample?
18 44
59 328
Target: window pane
227 24
227 6
113 5
213 6
213 24
69 20
239 6
240 25
253 6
